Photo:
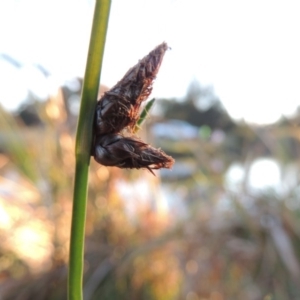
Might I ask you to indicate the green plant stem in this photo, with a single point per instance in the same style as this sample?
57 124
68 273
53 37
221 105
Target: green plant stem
77 232
83 147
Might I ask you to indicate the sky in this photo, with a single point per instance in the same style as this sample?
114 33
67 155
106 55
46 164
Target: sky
248 51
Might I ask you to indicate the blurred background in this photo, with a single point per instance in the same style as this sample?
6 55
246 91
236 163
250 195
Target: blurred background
224 223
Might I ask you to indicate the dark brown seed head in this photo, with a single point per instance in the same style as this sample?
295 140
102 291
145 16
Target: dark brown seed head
129 152
119 107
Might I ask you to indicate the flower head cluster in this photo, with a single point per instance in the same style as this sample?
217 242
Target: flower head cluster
118 111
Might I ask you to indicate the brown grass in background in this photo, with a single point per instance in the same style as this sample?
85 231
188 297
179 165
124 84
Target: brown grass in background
198 240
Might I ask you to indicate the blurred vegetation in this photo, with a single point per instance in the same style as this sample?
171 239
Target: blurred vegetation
184 234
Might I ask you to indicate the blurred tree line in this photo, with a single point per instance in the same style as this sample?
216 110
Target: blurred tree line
181 235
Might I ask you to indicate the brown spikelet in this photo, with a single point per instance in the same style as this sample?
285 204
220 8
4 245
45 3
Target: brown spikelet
119 107
129 152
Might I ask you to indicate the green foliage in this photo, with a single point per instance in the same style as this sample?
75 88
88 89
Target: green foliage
144 114
14 143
